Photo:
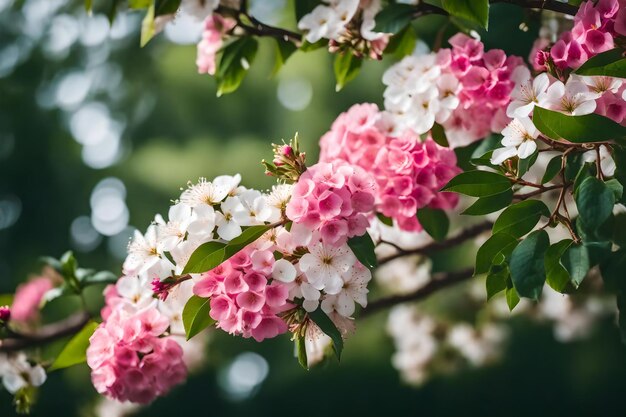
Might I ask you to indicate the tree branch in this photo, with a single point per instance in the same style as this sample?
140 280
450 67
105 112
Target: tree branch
553 5
438 282
46 334
433 247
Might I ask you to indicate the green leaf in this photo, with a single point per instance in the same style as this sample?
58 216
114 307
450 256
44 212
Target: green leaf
196 315
512 297
498 243
523 165
610 63
304 7
476 11
434 221
309 47
164 7
616 187
577 129
206 257
363 248
237 57
553 168
384 219
75 351
301 352
439 135
328 327
528 271
496 282
346 67
394 18
402 43
576 261
557 276
478 183
595 202
612 270
489 204
139 4
247 236
621 307
102 277
88 6
6 299
284 49
148 28
520 218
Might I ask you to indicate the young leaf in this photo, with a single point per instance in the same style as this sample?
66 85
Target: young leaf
478 183
206 257
553 168
196 316
434 221
498 243
384 219
476 11
164 7
577 129
512 298
610 63
557 276
301 352
284 49
346 67
595 202
528 272
520 218
576 262
147 26
496 282
237 58
489 204
102 277
439 135
363 248
394 18
402 43
327 326
75 351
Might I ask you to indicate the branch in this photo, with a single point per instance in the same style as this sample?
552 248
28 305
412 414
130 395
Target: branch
46 334
438 282
433 247
554 5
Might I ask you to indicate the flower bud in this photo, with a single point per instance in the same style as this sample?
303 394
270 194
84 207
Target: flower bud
5 314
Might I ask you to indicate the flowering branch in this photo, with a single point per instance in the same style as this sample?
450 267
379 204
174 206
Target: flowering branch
439 281
46 334
433 247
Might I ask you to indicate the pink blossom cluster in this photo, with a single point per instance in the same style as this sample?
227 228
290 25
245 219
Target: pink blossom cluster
243 301
28 297
215 27
334 198
407 171
595 26
130 361
485 86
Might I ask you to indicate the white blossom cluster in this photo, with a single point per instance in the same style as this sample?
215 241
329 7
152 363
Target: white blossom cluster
329 20
16 372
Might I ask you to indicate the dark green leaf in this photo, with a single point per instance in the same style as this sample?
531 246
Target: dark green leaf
621 306
434 221
576 261
402 43
394 18
520 218
304 7
478 183
499 243
557 276
206 257
196 316
164 7
489 204
363 248
328 327
346 67
616 187
76 349
528 271
610 63
237 58
496 282
553 168
476 11
439 135
284 49
523 165
384 219
612 270
577 129
595 202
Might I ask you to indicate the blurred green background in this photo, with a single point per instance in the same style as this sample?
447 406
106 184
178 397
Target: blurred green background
98 135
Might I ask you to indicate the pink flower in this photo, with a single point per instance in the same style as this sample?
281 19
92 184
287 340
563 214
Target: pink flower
28 297
215 27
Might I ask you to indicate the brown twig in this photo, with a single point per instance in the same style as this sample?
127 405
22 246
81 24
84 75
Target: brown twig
439 281
553 5
46 334
433 247
526 196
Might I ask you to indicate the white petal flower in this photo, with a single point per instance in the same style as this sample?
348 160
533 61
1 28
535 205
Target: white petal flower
143 252
527 94
607 163
284 271
174 231
324 265
572 98
502 154
203 223
205 192
16 372
322 22
227 226
601 84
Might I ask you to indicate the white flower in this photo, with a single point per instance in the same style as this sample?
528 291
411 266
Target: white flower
316 343
519 140
227 226
255 209
136 292
205 192
527 93
601 84
228 182
202 225
174 231
284 271
324 265
322 22
16 372
424 108
572 98
449 87
143 252
607 164
354 290
173 306
278 199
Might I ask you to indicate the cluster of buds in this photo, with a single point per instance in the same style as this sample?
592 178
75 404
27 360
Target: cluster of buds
288 163
5 314
162 288
352 42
